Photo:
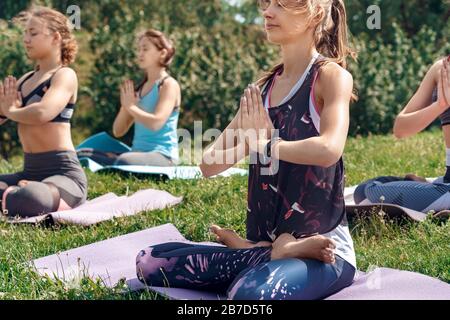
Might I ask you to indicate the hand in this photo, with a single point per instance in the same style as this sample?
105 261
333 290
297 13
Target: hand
444 85
254 119
9 96
128 97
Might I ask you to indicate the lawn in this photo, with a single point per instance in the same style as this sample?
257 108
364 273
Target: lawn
423 247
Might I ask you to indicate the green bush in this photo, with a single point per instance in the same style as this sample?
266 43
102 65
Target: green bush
387 75
218 55
213 63
13 61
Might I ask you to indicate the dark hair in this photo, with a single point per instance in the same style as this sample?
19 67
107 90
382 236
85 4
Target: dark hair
161 42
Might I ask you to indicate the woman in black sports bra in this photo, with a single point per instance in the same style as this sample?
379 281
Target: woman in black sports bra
42 103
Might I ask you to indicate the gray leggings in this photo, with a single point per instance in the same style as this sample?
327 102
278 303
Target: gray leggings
144 159
52 176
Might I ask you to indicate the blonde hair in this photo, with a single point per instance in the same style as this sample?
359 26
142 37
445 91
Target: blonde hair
56 22
330 33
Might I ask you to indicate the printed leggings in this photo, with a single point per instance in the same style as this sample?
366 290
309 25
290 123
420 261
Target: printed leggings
243 274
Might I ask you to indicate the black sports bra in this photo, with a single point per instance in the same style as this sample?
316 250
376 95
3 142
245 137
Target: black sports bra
38 93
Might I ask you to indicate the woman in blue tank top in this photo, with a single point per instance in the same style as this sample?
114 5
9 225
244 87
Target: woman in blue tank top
153 107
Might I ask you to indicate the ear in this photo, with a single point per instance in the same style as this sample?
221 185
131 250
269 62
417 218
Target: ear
318 18
56 38
164 53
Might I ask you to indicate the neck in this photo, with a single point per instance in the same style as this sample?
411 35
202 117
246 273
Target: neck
49 63
296 57
155 73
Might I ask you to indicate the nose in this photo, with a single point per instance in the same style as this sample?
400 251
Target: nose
268 13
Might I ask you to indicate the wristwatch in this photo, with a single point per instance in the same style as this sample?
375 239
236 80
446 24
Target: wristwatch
268 148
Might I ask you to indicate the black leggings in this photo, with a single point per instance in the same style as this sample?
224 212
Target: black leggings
56 182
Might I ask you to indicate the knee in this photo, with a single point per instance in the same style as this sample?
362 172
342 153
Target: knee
123 160
286 279
32 200
150 269
263 282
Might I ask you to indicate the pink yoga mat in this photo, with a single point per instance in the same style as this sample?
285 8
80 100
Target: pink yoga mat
110 206
114 259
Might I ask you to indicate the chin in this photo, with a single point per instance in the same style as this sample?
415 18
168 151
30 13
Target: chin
31 56
143 66
275 40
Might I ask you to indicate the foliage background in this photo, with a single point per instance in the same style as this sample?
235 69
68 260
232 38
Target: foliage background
221 48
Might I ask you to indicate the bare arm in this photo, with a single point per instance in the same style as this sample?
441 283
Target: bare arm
168 96
64 85
420 112
122 123
326 149
229 145
3 118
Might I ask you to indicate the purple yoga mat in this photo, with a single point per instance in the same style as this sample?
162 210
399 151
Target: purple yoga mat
114 259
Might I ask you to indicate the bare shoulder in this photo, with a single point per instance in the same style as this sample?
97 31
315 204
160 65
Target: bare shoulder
171 84
66 76
334 81
171 87
435 68
332 72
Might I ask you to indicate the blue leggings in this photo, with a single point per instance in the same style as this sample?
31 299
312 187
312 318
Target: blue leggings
243 274
419 196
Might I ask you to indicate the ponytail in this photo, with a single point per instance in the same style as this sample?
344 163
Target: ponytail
331 37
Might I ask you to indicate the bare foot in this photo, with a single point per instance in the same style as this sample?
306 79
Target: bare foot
23 183
233 241
413 177
315 247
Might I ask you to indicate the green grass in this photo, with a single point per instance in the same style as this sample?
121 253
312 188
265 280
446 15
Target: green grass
415 247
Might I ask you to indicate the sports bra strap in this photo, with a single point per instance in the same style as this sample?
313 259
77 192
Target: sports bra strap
24 80
50 79
161 82
32 74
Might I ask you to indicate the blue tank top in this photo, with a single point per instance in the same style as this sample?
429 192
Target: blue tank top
165 140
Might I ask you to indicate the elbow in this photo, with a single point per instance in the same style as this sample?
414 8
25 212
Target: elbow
41 118
399 135
205 166
330 156
205 172
397 131
156 125
116 133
